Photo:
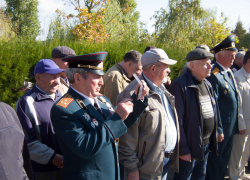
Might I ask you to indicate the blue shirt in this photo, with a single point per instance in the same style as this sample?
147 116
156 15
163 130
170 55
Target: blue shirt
169 115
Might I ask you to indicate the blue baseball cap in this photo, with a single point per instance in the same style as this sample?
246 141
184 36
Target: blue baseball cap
47 66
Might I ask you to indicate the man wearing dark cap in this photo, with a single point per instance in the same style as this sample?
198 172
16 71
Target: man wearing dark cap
238 62
226 97
149 146
196 109
33 110
87 124
119 75
57 54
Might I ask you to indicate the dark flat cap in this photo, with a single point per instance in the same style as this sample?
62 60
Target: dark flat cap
198 54
62 51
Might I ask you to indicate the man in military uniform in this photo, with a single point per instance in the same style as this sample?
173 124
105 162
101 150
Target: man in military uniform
86 123
226 96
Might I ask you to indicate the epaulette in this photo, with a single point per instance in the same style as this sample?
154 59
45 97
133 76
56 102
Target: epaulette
102 99
65 101
215 71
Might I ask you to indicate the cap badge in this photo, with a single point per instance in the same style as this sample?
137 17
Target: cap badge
233 44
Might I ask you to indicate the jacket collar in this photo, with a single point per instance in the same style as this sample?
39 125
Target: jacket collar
123 72
42 96
92 111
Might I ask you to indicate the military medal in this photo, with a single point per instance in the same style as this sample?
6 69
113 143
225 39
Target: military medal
226 86
92 125
95 122
86 116
225 91
228 91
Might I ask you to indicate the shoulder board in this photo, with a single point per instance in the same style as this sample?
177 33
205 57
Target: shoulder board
65 101
215 71
102 99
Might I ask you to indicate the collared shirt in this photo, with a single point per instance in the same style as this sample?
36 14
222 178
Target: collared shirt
169 116
91 100
123 70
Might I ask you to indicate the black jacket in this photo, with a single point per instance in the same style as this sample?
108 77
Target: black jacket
190 117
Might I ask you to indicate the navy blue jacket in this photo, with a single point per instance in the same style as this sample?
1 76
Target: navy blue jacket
189 116
33 110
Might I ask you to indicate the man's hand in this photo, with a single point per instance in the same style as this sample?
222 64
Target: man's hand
167 84
124 108
133 176
186 157
220 137
144 87
242 132
58 161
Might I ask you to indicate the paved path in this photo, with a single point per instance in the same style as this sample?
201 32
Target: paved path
171 174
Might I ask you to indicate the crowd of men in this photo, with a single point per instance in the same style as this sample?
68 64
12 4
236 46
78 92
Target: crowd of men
131 123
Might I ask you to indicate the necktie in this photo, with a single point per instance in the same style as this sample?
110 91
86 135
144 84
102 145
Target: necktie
97 108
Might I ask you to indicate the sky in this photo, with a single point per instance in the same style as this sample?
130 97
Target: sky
231 9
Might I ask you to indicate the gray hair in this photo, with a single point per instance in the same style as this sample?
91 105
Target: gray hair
194 61
71 72
147 67
239 54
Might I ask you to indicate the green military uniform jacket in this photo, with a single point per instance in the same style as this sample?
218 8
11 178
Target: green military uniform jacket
226 95
88 138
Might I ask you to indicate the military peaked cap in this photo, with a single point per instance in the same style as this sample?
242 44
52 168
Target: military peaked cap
90 62
227 44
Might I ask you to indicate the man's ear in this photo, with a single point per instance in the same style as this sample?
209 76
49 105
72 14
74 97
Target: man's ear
153 69
77 77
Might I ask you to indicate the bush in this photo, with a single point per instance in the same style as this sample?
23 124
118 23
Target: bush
19 56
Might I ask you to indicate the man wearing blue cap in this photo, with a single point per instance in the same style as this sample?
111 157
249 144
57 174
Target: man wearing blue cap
87 124
33 110
226 97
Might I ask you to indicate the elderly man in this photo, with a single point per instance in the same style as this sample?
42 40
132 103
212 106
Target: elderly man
33 110
241 143
57 54
226 96
146 149
238 62
196 109
86 123
119 75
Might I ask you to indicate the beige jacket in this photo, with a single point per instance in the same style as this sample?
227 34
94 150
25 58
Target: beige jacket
143 146
115 81
243 82
63 86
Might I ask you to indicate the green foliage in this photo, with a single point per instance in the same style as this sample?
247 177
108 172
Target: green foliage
240 32
120 24
186 24
5 26
19 56
24 16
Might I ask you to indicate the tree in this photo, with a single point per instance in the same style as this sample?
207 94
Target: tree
240 32
186 24
24 17
5 26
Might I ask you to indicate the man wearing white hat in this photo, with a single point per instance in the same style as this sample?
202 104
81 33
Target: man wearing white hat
146 149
